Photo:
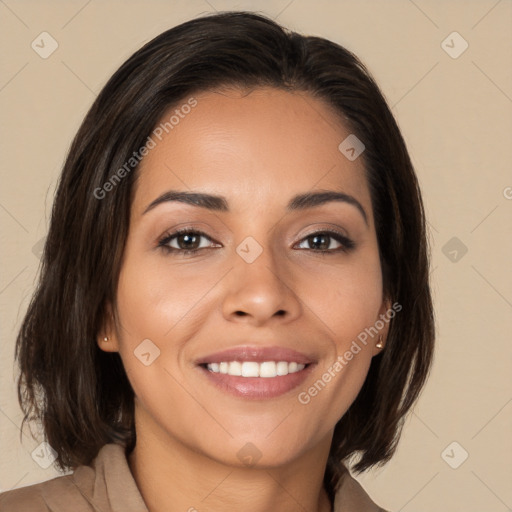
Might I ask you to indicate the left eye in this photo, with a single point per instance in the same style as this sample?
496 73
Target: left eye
323 241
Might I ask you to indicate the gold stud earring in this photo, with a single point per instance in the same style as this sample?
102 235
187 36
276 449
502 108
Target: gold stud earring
380 344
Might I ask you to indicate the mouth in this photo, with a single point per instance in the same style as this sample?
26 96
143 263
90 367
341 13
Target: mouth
256 373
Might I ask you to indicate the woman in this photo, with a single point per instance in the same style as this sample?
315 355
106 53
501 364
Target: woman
234 307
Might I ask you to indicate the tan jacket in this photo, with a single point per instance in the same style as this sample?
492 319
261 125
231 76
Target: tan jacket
108 486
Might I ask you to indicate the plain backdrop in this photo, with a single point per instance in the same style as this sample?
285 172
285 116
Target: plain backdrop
452 97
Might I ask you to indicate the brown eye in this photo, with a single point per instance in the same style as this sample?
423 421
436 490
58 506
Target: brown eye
327 242
185 241
321 241
188 241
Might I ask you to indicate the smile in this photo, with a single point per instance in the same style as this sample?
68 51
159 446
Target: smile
256 372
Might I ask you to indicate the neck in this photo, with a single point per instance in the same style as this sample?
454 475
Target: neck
172 477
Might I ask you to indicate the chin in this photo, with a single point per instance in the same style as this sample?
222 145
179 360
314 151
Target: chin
262 452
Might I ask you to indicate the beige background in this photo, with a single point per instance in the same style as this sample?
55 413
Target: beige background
455 114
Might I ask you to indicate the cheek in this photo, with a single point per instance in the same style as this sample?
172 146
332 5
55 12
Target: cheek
347 302
156 316
341 376
156 302
160 310
346 298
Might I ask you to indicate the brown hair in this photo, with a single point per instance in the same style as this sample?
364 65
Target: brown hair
82 395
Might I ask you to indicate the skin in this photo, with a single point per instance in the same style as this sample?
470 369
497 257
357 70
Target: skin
258 149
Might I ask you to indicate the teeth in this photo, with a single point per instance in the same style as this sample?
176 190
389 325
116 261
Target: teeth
266 369
249 369
282 368
235 368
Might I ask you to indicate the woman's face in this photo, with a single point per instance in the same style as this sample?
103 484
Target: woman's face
272 279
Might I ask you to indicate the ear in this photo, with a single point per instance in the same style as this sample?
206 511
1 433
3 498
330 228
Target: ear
386 312
107 336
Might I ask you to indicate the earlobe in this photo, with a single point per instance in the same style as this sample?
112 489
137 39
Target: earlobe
379 345
108 344
383 325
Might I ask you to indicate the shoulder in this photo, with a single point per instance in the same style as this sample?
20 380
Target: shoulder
36 497
106 485
68 492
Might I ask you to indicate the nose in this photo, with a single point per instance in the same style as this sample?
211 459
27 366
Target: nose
260 292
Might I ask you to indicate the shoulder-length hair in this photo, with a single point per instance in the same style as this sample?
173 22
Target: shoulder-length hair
81 394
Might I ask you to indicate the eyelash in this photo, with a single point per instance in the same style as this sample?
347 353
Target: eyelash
347 245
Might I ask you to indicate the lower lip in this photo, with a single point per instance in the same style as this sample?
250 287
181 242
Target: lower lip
259 388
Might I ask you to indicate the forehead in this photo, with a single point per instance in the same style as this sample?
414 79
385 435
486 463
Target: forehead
265 145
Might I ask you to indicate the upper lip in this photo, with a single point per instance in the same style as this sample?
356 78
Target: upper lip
256 354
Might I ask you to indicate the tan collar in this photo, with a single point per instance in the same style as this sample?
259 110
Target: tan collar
351 497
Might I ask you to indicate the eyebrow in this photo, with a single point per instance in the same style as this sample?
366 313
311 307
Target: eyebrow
220 204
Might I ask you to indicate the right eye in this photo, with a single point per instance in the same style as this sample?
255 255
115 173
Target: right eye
185 241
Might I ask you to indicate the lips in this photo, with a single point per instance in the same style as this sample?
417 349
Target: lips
256 372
